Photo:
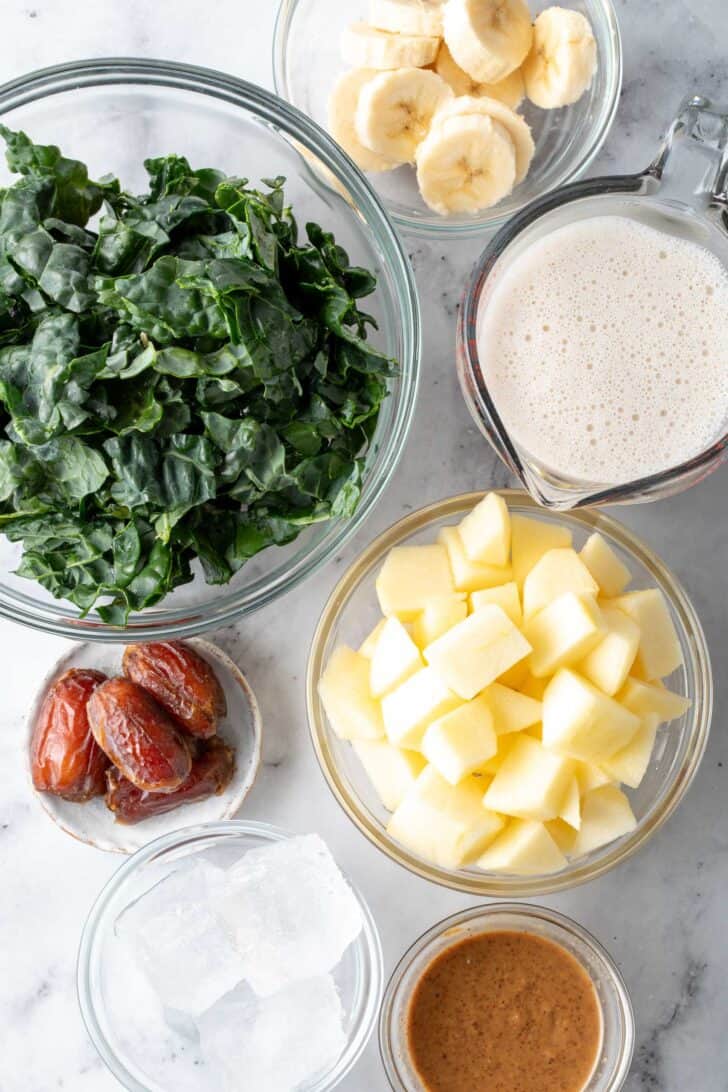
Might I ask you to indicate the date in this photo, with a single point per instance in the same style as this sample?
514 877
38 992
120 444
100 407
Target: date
65 758
182 682
138 736
212 771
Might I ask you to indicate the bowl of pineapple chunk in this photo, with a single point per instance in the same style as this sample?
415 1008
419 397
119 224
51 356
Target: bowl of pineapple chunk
508 700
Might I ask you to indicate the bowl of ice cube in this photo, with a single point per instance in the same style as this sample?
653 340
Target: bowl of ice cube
507 700
229 957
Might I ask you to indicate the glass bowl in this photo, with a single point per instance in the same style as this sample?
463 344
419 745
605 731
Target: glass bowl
567 140
618 1027
351 613
126 1027
114 113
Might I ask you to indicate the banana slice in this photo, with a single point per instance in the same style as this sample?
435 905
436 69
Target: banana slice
364 46
515 125
408 16
563 58
343 102
396 109
465 164
511 90
488 38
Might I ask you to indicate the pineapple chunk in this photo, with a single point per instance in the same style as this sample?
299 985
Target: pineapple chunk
408 710
610 573
366 648
534 688
483 779
637 672
486 532
606 814
395 658
530 540
563 834
344 692
580 721
563 632
608 664
470 575
630 764
531 782
460 742
642 698
475 652
571 805
391 771
492 765
557 572
512 712
659 652
443 823
590 776
437 617
516 677
525 848
410 577
505 596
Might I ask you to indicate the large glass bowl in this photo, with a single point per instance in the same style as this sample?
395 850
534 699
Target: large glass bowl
307 61
114 113
618 1028
350 615
126 1024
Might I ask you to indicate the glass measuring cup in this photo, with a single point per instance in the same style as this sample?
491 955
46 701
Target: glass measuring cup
684 192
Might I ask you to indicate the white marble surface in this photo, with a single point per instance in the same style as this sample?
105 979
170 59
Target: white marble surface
663 914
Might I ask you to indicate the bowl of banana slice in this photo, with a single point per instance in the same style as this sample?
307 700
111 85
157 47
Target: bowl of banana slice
460 112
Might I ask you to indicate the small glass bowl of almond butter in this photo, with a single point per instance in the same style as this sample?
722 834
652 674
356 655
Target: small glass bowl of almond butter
459 112
505 700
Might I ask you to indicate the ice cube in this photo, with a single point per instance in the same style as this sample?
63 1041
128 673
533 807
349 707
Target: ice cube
180 942
142 1032
274 1043
182 1024
291 913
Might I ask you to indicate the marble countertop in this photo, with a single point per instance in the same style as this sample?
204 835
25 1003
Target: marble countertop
662 915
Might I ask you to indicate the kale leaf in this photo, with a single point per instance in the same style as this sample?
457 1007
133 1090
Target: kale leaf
182 377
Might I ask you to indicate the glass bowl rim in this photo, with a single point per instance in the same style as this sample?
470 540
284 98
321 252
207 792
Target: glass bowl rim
369 945
696 731
476 393
527 912
85 75
494 220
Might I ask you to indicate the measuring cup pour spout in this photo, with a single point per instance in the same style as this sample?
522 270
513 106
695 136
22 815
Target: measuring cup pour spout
683 192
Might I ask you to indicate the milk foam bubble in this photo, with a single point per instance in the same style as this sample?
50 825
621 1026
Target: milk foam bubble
605 349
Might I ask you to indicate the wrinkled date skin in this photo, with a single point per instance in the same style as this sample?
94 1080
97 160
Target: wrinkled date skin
212 771
138 736
182 682
65 759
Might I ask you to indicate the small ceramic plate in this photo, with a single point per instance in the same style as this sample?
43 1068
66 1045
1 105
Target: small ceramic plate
92 822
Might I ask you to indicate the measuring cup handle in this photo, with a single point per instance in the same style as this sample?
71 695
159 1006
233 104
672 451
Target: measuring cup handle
693 158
